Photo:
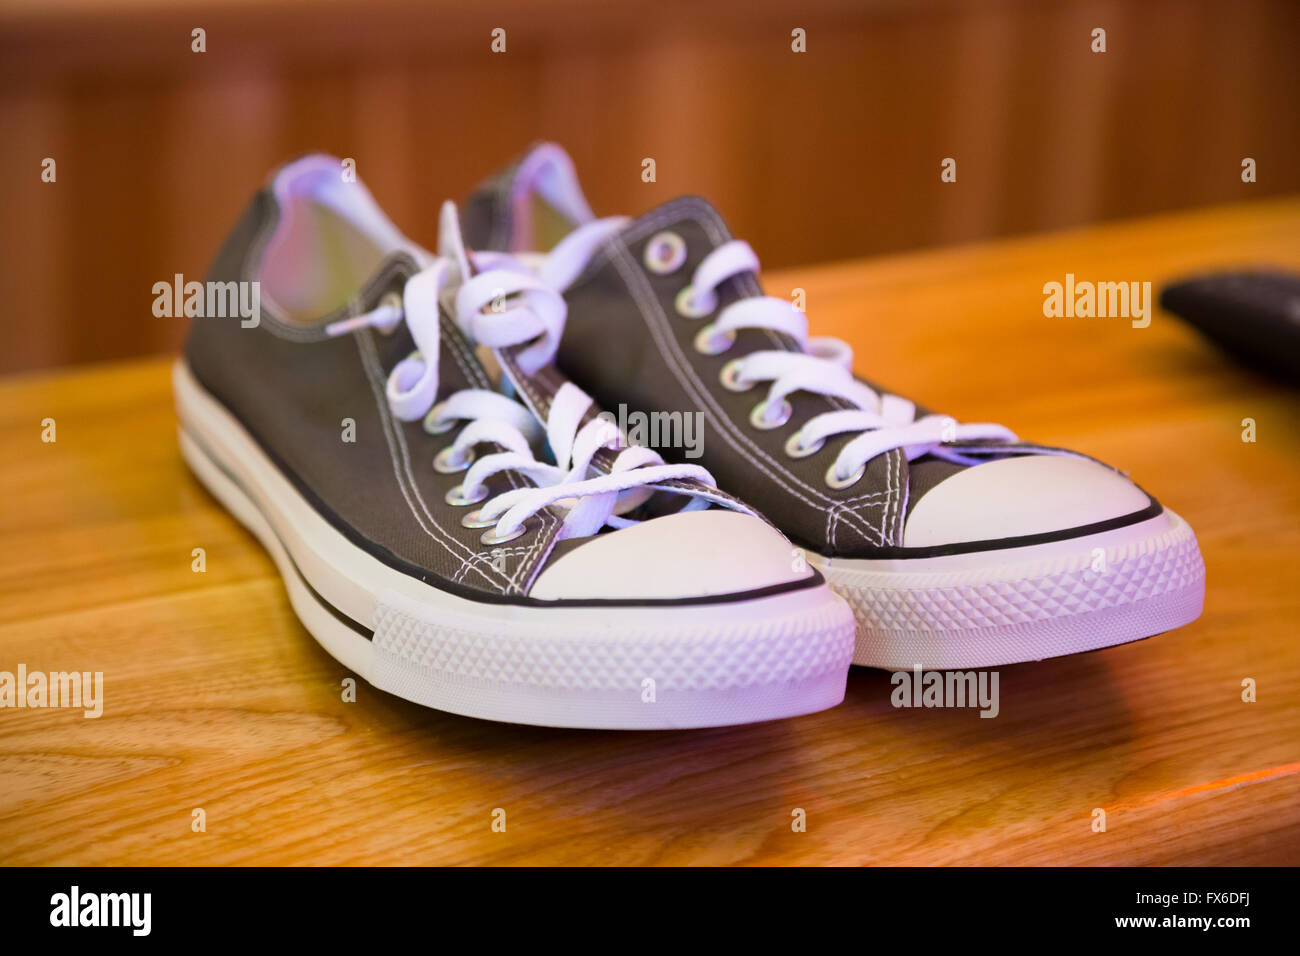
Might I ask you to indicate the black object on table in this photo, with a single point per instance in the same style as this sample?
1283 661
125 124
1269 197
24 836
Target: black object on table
1253 315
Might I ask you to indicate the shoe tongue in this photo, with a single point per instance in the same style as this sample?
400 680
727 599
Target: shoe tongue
528 206
452 245
451 239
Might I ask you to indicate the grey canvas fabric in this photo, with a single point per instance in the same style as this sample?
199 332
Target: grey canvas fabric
626 344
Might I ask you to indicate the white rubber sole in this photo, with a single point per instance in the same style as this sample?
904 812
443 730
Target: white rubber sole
640 667
990 608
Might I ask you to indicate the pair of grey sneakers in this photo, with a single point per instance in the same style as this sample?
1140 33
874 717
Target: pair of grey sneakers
428 445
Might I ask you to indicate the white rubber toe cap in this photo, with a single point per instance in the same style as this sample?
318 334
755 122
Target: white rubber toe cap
1012 497
689 555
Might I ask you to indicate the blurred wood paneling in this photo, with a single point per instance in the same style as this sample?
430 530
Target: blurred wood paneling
823 155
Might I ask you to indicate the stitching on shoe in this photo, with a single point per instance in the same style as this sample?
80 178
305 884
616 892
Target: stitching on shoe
507 584
833 514
623 261
671 352
394 438
891 486
486 556
901 493
460 353
616 251
549 520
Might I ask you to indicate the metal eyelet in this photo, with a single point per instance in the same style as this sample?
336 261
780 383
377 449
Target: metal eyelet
446 461
435 427
456 496
835 481
472 520
490 537
709 341
730 377
795 448
688 308
665 253
758 417
393 299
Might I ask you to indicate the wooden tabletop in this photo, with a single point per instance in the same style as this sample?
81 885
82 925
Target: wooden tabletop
216 698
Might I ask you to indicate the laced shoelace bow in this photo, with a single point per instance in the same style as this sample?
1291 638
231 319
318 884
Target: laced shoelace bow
502 307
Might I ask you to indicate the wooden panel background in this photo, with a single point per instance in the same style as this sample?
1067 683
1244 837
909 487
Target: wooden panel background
825 155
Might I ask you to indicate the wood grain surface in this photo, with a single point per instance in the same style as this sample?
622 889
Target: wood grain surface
216 698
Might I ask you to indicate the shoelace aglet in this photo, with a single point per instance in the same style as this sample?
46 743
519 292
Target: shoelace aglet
385 315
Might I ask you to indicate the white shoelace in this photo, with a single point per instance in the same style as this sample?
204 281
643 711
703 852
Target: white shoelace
881 422
507 306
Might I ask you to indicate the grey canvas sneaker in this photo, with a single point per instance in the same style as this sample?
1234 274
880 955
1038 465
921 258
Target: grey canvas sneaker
958 545
491 555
